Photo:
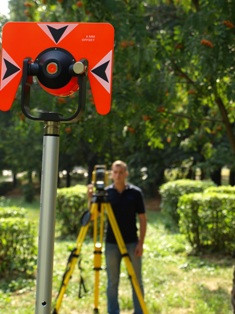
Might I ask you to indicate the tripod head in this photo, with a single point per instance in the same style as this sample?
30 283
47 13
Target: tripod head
61 56
100 177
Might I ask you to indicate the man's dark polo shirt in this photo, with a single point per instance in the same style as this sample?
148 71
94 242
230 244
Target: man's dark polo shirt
126 206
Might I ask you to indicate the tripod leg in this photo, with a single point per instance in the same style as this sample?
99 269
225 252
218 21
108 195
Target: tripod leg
73 260
98 255
123 250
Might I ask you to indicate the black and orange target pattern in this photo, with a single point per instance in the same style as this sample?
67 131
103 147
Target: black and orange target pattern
91 41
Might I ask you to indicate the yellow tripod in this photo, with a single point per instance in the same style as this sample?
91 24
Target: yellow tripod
99 206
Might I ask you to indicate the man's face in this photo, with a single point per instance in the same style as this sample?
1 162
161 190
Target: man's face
119 175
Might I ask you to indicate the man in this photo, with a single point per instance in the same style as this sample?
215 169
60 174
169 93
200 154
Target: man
127 203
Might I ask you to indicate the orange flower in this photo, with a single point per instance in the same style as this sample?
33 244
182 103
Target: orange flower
79 4
179 46
161 109
124 44
131 129
228 23
191 92
168 139
27 13
68 130
206 42
145 117
28 4
21 116
131 43
127 43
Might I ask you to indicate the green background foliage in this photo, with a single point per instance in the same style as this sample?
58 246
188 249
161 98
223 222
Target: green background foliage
207 220
71 204
17 246
172 191
173 90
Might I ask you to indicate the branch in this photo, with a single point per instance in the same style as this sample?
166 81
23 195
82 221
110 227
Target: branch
219 103
181 115
182 73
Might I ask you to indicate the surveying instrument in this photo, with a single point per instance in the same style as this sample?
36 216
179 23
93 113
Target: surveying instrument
98 207
59 57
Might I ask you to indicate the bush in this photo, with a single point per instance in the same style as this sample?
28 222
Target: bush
17 247
13 211
208 221
172 191
71 204
221 189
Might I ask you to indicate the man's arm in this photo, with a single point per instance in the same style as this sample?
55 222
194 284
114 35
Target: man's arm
143 228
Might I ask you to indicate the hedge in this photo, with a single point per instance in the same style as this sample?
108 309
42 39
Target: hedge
173 190
71 204
17 246
221 189
208 221
13 211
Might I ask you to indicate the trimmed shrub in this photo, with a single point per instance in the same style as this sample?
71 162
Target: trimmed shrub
173 190
221 189
71 204
13 211
208 221
17 247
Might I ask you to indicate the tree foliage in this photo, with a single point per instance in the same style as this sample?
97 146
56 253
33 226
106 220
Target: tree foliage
173 85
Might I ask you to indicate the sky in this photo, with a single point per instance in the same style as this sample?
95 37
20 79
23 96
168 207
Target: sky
4 7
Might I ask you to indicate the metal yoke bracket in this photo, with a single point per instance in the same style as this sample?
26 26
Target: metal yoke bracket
78 69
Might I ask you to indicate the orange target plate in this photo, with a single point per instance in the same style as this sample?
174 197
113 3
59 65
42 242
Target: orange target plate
91 41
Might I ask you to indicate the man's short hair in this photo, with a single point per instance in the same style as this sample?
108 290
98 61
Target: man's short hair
120 163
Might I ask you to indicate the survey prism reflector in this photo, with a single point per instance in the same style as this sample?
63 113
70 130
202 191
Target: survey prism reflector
91 41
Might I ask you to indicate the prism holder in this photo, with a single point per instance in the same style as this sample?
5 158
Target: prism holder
55 54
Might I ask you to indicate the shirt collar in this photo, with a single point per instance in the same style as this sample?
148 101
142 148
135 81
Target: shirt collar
127 186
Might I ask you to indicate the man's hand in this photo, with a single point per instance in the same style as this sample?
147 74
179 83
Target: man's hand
139 249
90 191
143 226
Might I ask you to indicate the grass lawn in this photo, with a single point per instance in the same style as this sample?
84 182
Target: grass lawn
175 281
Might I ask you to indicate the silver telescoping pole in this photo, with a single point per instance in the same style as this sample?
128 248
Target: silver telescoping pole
50 158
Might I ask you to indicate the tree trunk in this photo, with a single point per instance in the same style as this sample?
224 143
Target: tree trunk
203 176
233 292
14 180
232 177
91 164
68 179
216 176
58 181
159 179
191 174
227 123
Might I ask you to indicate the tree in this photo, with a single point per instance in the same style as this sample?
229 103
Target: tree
194 44
173 94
